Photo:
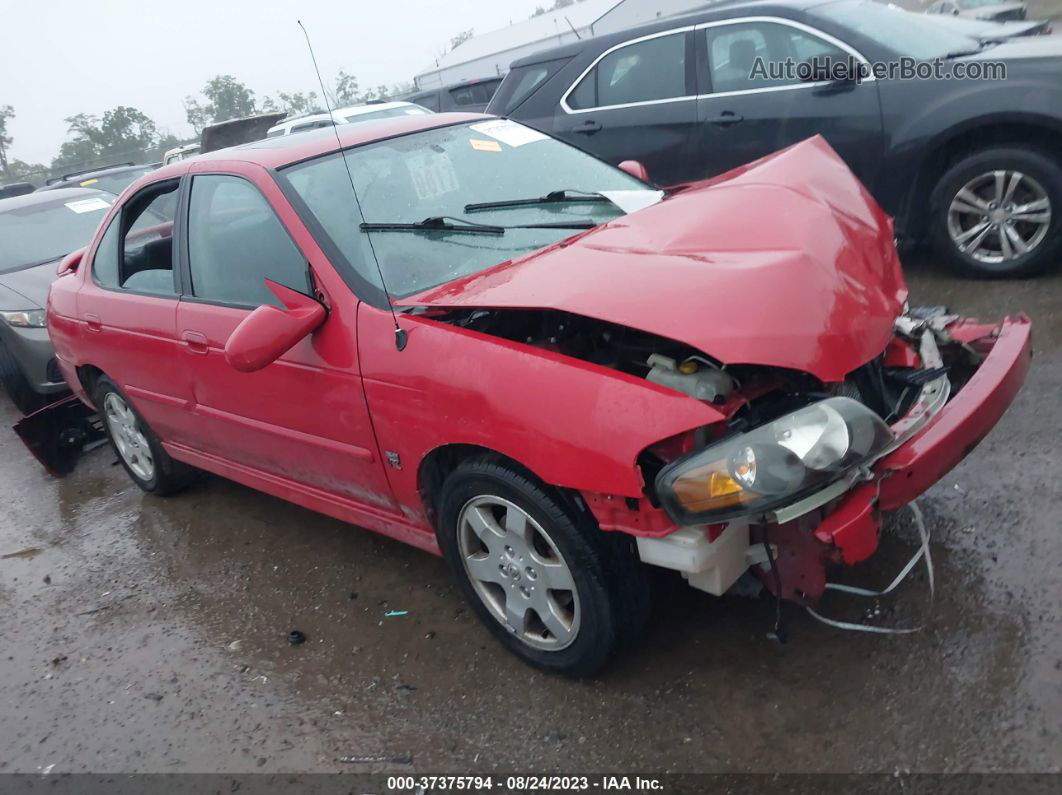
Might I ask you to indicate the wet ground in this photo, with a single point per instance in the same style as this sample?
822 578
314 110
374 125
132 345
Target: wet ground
151 635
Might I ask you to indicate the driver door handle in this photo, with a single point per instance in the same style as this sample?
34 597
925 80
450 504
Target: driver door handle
196 342
725 119
587 128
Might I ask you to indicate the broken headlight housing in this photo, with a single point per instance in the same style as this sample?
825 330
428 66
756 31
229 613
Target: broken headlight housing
773 465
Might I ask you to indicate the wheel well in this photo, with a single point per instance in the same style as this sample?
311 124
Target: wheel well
441 461
88 375
945 154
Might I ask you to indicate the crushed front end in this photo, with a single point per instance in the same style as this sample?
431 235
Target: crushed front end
802 470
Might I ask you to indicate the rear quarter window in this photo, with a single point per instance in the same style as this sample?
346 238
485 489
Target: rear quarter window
521 83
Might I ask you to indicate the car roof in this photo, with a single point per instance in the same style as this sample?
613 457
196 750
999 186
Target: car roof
283 150
51 196
720 10
77 176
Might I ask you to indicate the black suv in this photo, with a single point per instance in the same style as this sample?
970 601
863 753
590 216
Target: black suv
973 165
471 96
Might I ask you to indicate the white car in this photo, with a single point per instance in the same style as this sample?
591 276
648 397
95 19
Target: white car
348 115
179 153
993 10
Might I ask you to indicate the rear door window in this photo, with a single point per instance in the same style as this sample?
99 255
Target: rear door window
736 53
236 242
644 71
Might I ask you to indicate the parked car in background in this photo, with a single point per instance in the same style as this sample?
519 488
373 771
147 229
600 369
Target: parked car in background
36 231
469 95
993 32
16 189
992 10
973 165
113 179
511 353
179 153
348 115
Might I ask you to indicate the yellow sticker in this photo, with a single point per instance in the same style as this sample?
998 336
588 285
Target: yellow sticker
88 182
485 146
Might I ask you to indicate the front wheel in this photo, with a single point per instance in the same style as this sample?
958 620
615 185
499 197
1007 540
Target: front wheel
546 582
998 212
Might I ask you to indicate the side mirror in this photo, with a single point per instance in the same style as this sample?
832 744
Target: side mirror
635 169
269 331
70 263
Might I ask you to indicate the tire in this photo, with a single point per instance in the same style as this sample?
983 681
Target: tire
1041 180
136 445
607 603
16 384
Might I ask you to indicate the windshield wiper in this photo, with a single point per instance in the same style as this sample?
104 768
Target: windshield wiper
441 223
436 223
553 197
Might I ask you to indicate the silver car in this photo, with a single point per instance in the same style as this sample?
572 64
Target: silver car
36 231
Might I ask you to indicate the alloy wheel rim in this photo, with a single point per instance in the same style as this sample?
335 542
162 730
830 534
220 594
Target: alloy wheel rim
999 216
131 443
518 572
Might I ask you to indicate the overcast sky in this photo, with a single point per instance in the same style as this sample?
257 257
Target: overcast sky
62 57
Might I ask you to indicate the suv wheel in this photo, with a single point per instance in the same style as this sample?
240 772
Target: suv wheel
138 448
16 384
547 583
998 212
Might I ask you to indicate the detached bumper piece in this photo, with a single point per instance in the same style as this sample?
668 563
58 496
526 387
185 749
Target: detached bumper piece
59 433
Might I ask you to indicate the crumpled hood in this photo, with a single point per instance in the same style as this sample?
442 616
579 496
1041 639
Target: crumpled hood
31 284
785 262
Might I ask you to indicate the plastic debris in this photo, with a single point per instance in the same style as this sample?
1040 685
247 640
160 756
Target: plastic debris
235 645
398 759
295 637
396 613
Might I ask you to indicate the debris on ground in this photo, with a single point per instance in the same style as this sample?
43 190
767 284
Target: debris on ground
27 552
396 613
400 759
234 646
295 637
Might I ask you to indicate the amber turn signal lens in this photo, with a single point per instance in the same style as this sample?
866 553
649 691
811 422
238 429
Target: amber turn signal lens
707 488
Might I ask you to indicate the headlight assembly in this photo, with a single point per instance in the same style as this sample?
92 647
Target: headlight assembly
25 318
772 465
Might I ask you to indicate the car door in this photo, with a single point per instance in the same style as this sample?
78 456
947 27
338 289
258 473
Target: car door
127 306
754 100
636 101
303 417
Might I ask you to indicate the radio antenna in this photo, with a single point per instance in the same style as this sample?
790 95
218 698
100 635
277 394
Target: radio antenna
401 337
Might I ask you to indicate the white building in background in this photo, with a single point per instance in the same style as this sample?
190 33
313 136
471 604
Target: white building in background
489 54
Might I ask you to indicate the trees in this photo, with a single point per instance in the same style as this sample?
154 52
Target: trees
346 92
122 132
226 98
6 114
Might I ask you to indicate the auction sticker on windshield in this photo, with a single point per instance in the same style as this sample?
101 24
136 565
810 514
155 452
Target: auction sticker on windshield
88 205
509 132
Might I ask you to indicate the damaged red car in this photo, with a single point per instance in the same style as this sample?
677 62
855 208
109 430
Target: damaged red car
476 339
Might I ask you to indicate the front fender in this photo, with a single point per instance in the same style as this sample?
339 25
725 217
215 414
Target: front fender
574 424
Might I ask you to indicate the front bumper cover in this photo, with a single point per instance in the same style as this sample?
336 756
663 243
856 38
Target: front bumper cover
936 448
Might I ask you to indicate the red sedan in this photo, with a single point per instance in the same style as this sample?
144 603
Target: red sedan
461 333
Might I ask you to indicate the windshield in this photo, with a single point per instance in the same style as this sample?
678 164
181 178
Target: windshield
48 231
913 35
388 113
437 173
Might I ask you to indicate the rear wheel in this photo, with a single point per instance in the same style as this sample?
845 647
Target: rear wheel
545 581
998 212
137 446
16 384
